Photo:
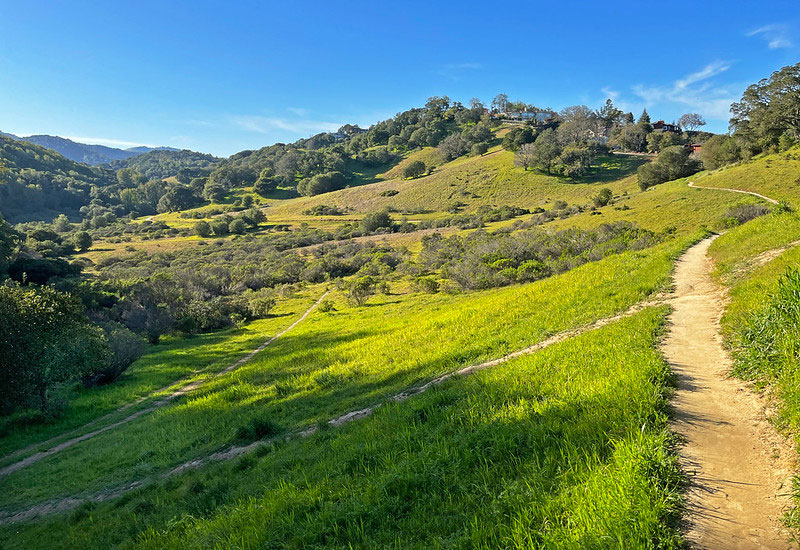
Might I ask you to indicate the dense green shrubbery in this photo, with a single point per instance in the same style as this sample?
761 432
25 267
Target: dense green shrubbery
161 164
485 260
672 163
45 339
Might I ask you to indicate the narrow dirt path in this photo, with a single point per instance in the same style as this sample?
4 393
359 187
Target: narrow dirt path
64 504
739 467
759 195
180 391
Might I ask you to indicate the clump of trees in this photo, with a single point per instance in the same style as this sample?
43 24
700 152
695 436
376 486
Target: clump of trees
45 340
766 118
672 163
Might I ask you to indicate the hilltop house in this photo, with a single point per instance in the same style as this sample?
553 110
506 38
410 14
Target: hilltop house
661 126
539 117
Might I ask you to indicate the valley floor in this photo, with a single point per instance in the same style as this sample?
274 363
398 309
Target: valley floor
589 409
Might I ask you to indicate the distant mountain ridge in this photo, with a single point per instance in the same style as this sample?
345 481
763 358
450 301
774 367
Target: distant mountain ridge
84 152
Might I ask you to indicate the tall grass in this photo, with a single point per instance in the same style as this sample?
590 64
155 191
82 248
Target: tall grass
344 360
564 448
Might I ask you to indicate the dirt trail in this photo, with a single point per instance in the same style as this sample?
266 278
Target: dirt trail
739 467
180 391
759 195
56 506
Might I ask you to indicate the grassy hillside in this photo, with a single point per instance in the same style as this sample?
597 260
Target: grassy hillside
566 447
776 176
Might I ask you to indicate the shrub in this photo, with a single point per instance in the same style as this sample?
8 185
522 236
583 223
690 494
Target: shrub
672 163
237 227
323 210
326 306
414 169
125 347
603 197
389 193
202 229
359 290
427 284
742 213
45 339
376 220
479 149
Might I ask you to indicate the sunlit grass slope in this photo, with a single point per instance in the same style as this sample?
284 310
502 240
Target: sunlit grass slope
469 182
172 360
335 362
671 204
776 176
564 448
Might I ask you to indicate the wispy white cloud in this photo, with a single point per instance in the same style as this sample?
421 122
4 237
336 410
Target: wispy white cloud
696 90
299 111
710 70
109 142
268 125
776 35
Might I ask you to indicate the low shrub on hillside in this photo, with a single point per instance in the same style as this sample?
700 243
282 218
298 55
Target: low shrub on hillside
741 213
484 260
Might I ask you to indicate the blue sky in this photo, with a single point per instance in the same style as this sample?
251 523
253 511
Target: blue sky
221 77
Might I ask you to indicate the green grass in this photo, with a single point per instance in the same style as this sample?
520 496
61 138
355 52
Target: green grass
671 204
168 362
333 363
564 448
490 179
775 176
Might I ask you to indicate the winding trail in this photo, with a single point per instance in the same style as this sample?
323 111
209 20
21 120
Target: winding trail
753 193
739 467
64 504
178 392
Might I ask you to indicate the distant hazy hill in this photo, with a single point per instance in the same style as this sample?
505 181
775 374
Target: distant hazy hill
165 162
144 149
83 152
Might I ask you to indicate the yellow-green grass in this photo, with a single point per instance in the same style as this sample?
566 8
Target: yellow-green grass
490 180
671 204
777 176
339 361
172 360
564 448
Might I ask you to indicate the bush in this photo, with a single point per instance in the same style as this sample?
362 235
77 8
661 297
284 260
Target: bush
203 229
479 149
260 305
125 348
427 284
603 197
376 220
45 339
742 213
359 290
414 169
389 193
237 227
672 163
326 306
323 210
